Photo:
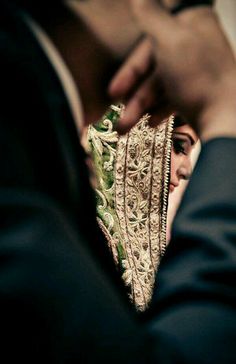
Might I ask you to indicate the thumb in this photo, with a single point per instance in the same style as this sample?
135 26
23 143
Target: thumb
153 18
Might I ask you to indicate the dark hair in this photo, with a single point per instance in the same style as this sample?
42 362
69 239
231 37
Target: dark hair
179 121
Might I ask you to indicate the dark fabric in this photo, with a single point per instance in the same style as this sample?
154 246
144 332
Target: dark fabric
55 299
39 149
195 296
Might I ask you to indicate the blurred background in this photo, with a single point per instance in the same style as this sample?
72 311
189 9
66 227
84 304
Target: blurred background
227 13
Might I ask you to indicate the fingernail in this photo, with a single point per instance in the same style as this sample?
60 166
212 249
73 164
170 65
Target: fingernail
124 124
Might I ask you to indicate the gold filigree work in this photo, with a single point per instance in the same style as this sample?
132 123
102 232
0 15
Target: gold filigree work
132 194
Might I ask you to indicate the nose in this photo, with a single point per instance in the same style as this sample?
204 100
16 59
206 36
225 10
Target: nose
185 170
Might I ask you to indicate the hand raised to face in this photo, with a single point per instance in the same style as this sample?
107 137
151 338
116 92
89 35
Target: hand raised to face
184 64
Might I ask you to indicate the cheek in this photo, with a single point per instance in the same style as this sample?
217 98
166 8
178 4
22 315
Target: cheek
175 163
188 166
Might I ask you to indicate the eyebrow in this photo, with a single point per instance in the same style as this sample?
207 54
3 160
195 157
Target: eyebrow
192 141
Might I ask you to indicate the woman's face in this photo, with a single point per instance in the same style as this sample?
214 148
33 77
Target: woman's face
184 140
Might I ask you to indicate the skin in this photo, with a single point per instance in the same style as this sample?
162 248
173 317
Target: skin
208 69
96 37
184 141
151 55
104 30
101 30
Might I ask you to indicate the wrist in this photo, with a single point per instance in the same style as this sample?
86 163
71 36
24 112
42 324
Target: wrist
220 124
218 119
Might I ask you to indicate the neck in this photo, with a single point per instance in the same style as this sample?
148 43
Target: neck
80 48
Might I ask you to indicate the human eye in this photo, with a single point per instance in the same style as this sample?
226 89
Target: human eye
179 146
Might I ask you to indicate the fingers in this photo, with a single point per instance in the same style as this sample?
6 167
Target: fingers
135 69
180 48
133 83
150 98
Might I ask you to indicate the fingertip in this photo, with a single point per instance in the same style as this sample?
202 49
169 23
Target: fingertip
122 127
118 88
112 91
125 123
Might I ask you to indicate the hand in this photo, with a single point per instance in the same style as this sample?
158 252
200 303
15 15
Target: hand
183 65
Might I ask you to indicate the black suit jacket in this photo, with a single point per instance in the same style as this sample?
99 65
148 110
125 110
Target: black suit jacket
60 299
54 294
194 305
